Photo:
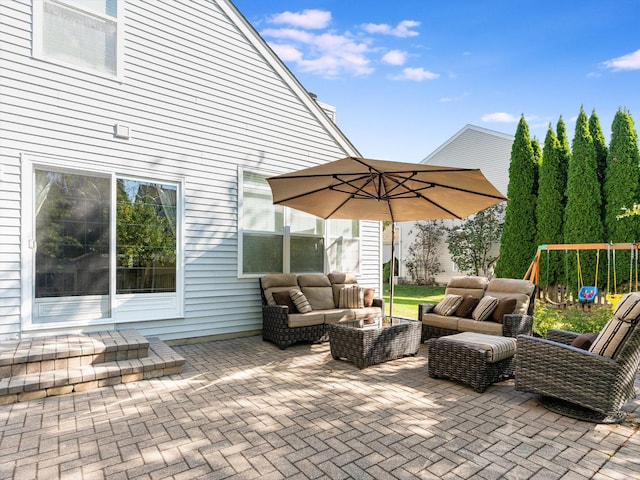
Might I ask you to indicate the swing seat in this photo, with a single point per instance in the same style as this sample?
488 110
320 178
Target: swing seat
614 299
588 294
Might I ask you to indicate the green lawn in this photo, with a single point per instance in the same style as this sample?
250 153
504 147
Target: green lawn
407 297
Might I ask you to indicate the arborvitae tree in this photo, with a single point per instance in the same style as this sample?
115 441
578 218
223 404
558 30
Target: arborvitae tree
583 223
601 152
550 208
621 188
518 243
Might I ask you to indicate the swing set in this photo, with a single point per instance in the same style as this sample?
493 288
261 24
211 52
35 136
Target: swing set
588 293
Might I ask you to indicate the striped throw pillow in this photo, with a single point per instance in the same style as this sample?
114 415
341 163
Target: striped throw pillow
628 309
485 308
301 302
448 305
612 338
351 297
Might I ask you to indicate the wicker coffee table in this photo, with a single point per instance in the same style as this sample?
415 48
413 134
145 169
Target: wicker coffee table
386 339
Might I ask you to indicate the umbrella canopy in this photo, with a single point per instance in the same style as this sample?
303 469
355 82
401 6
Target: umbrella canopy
365 189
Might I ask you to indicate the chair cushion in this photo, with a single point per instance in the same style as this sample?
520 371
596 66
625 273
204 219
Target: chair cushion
351 297
611 339
448 305
485 308
339 315
469 325
284 298
505 305
278 282
467 285
301 302
317 289
496 347
521 290
465 309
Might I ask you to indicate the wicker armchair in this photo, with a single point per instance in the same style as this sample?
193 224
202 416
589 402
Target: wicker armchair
588 386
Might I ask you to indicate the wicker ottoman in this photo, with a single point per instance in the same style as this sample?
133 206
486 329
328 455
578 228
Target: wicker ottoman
475 359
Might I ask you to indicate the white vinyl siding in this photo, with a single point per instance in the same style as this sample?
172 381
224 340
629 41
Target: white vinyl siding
202 97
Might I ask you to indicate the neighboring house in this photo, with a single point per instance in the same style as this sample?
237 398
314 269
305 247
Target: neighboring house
135 139
470 147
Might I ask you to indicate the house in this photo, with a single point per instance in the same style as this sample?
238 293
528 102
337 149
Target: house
470 147
135 140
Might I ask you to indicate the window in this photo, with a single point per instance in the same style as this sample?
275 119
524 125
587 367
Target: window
83 33
344 245
106 247
276 239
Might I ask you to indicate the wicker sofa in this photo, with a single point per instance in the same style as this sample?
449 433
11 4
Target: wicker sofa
283 325
519 322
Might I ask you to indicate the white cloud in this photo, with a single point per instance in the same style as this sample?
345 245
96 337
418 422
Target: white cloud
290 34
287 53
416 74
303 40
310 19
395 57
326 54
630 61
403 29
455 99
500 117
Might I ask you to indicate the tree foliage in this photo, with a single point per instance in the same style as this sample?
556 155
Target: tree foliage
423 261
600 145
551 204
519 235
583 221
472 243
621 187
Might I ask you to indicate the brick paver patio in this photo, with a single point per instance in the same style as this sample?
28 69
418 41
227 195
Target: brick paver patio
244 409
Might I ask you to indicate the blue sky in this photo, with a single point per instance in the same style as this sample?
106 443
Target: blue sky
406 75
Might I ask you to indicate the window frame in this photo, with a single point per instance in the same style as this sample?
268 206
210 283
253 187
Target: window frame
286 233
37 47
122 308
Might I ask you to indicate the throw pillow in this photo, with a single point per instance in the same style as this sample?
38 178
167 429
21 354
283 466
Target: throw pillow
465 309
628 309
505 305
284 298
448 305
351 297
369 294
301 302
584 340
485 308
612 338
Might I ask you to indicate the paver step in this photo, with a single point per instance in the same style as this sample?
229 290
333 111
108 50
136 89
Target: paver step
162 360
46 354
72 376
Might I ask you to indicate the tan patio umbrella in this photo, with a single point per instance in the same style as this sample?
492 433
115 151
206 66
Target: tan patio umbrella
365 189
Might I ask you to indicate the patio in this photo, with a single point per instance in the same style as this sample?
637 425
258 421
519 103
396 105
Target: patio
242 408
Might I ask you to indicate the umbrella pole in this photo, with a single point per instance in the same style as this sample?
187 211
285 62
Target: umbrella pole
392 269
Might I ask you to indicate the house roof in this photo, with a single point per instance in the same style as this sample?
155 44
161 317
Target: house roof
477 147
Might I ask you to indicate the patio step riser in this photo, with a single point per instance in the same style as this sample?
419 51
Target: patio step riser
30 367
76 363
